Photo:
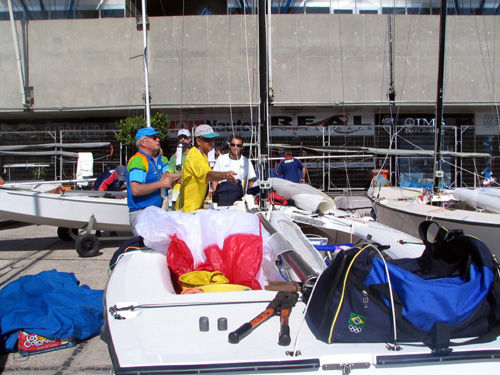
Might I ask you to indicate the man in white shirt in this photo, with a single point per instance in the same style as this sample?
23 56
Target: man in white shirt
234 161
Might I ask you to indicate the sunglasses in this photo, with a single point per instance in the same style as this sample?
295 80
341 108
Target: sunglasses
183 137
239 145
153 137
207 139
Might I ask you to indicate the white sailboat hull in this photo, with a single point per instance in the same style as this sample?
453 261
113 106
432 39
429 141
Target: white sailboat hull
64 211
400 209
166 338
341 226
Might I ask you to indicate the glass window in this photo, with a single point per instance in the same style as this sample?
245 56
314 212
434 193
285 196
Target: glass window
393 10
418 11
317 10
342 11
112 13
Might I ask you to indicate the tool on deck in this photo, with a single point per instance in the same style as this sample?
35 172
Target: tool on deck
281 305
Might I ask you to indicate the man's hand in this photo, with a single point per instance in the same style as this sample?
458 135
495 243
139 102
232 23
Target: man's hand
165 181
168 179
229 176
174 177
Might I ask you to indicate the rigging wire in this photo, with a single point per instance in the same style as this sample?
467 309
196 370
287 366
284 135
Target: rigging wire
181 115
342 88
489 72
228 62
250 84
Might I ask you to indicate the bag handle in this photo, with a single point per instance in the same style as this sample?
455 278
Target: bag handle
214 274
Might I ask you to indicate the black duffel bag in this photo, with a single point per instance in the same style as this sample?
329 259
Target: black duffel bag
451 291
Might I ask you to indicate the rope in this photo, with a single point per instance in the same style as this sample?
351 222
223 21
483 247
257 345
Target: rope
343 292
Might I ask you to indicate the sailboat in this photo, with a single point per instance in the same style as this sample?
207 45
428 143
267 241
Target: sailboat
472 210
46 203
151 327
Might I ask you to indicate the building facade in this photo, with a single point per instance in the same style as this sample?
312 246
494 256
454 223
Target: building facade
340 80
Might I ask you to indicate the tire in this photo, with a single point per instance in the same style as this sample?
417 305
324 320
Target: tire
87 245
67 234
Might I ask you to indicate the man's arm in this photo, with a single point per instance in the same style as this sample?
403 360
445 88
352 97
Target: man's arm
106 182
166 181
303 180
219 176
279 169
251 176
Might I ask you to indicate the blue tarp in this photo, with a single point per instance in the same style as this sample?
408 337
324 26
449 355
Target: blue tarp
51 304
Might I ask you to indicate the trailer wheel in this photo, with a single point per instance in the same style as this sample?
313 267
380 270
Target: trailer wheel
67 234
87 245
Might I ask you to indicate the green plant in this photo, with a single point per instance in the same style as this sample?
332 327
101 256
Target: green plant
129 126
39 172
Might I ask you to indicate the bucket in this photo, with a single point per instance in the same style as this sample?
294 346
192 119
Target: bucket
196 279
211 288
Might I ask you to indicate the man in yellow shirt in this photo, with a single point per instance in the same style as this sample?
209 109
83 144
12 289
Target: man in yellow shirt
196 172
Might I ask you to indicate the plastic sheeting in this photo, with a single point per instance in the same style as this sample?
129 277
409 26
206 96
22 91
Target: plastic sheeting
200 229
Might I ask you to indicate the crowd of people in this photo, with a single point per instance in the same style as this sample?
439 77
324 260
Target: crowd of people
194 171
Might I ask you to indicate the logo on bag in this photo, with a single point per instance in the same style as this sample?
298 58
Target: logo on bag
356 323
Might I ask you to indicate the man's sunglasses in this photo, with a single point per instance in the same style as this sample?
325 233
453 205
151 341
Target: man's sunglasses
239 145
153 137
207 139
183 137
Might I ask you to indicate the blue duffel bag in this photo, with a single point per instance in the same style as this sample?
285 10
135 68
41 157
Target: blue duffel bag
451 291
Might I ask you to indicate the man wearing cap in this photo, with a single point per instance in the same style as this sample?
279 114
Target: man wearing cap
113 180
183 143
196 172
147 174
184 135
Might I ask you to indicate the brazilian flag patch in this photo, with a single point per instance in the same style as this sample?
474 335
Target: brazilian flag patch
357 320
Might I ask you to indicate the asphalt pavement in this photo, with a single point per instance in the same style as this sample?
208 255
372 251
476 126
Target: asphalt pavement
27 249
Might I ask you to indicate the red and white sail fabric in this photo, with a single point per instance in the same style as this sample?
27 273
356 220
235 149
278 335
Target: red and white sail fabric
230 241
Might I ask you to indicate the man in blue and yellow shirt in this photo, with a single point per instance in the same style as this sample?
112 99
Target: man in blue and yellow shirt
196 172
147 174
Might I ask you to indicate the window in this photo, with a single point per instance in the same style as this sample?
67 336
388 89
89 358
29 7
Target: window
386 10
342 11
317 10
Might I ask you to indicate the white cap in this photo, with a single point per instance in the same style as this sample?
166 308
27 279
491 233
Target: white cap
184 132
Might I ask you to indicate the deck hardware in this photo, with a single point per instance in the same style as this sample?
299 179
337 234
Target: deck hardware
204 324
346 367
393 347
222 324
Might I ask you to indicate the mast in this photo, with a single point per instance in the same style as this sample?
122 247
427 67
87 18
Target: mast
391 96
145 58
439 101
18 56
264 97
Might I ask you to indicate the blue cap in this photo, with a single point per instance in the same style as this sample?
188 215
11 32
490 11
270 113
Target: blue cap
145 131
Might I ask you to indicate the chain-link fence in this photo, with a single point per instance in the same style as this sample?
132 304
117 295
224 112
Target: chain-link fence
44 155
53 155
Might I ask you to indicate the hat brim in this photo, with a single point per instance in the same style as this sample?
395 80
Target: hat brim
210 135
